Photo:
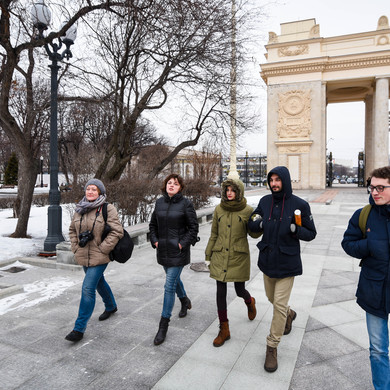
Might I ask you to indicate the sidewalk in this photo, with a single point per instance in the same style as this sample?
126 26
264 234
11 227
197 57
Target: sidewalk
327 348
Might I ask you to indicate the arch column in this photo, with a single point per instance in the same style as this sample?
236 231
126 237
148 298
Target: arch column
381 123
368 135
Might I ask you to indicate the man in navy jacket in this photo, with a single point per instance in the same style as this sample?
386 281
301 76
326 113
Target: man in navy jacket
373 292
280 254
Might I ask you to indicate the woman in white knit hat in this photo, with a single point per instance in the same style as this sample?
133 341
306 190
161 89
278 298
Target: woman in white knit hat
91 252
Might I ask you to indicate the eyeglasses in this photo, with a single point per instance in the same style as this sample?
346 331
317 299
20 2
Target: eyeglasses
378 188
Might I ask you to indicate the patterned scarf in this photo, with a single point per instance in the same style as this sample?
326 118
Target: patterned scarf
84 206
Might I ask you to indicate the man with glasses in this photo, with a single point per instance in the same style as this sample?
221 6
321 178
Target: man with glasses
373 292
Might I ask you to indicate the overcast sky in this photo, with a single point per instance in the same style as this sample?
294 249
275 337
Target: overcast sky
335 17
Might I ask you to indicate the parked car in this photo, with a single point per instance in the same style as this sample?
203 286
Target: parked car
335 181
342 181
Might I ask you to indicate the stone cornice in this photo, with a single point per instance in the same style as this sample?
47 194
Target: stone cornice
322 65
296 143
328 40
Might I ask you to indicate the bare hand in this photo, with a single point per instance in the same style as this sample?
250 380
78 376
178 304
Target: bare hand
180 246
156 244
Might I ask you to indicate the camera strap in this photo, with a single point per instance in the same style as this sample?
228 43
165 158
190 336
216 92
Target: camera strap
96 215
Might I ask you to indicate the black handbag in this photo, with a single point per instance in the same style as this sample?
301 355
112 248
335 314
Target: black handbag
124 248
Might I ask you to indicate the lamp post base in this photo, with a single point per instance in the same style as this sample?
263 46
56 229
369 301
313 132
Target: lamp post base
54 237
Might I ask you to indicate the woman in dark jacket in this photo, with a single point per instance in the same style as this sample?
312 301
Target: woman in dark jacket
85 233
173 228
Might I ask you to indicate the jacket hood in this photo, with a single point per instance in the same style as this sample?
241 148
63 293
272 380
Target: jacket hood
284 175
238 187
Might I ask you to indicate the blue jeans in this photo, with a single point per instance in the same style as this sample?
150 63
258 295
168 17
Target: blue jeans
173 285
378 332
93 280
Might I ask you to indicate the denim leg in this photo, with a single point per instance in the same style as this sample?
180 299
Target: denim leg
105 292
88 295
173 285
378 333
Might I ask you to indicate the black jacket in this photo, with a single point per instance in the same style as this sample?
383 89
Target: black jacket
373 292
280 253
173 221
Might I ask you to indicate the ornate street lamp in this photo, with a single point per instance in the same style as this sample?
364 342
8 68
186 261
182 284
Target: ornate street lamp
41 17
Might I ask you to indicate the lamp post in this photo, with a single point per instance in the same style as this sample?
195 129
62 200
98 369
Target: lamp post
41 17
260 172
41 171
233 174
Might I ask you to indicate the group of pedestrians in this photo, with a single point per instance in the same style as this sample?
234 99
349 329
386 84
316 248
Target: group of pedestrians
281 219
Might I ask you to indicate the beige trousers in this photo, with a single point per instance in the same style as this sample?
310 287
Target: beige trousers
278 292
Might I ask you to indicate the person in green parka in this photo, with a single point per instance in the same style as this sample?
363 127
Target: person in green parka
227 252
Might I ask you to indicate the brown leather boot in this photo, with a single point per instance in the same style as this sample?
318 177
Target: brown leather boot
271 359
290 318
223 335
252 309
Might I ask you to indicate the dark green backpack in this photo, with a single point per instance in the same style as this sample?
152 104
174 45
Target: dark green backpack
363 218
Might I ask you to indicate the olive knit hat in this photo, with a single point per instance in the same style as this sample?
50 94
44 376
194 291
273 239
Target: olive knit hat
98 183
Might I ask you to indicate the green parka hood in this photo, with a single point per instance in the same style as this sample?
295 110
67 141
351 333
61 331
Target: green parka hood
238 187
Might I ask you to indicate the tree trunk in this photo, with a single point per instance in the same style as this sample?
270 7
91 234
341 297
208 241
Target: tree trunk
28 171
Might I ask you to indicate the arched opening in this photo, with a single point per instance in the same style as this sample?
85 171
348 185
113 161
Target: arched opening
344 140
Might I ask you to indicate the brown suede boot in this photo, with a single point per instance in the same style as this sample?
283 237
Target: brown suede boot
223 335
271 359
290 318
252 309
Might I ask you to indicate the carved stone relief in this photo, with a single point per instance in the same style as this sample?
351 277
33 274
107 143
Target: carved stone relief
293 50
293 148
383 23
272 37
315 31
382 40
294 115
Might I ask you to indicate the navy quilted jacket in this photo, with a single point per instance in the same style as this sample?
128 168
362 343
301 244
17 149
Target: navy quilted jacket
373 292
280 252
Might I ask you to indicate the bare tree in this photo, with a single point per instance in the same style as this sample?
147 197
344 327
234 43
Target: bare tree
17 60
158 51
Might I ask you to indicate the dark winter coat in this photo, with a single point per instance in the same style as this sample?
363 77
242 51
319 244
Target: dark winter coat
228 248
95 252
373 292
280 252
173 221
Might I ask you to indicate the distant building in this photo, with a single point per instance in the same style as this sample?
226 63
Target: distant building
252 169
188 163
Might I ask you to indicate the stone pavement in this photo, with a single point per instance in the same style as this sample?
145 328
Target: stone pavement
326 349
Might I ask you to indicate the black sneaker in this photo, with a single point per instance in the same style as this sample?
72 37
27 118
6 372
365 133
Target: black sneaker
74 335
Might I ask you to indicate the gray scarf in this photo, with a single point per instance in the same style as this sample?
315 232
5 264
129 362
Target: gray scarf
84 206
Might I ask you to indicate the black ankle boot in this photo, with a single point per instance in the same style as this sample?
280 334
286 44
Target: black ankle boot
185 305
74 336
162 331
106 314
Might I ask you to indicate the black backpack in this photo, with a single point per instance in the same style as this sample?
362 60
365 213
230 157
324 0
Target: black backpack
124 248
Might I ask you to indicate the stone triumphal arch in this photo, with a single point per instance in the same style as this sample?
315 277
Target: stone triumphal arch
304 73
